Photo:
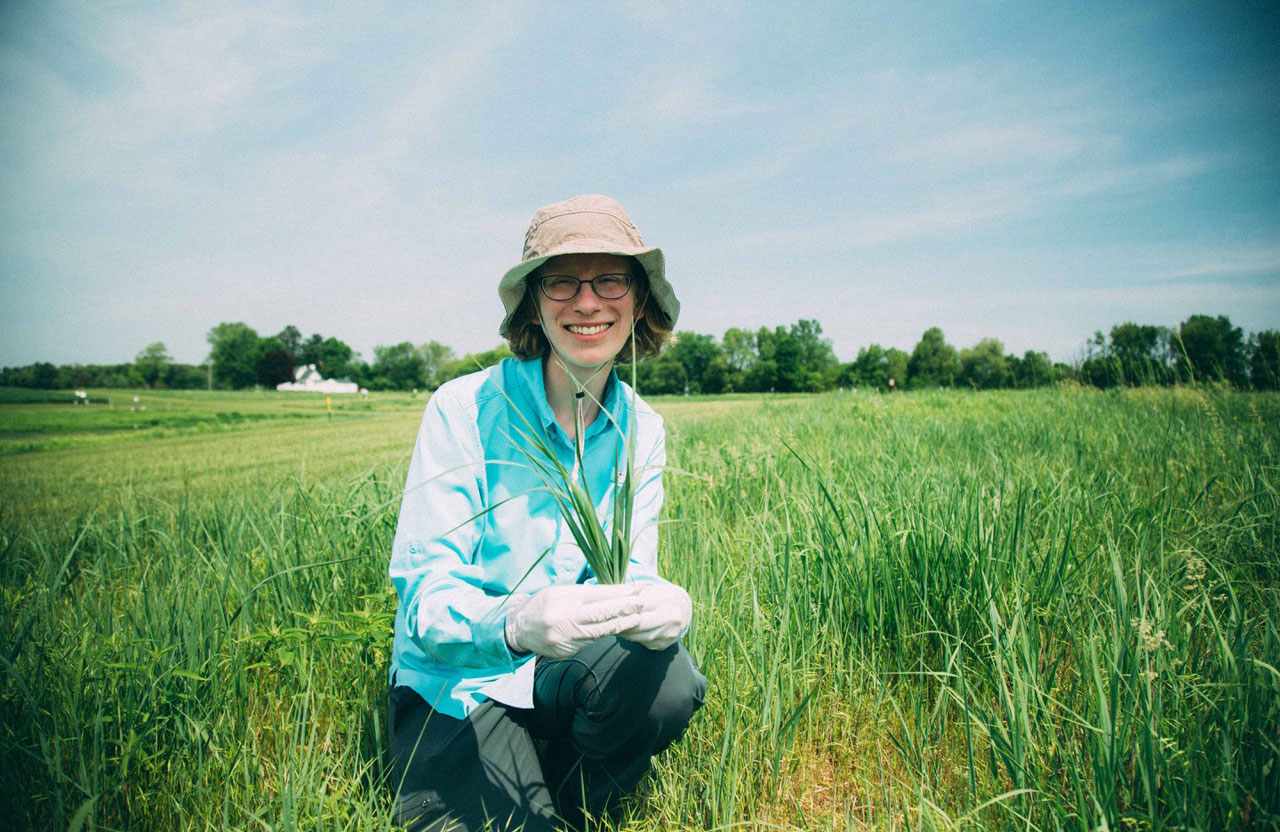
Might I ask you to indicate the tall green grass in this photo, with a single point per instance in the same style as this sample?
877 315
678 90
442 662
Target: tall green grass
1063 607
1053 609
193 663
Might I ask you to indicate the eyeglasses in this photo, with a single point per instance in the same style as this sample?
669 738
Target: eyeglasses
606 286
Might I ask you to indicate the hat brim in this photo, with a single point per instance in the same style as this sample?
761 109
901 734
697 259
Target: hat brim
511 287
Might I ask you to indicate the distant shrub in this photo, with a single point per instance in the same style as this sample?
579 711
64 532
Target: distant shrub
27 395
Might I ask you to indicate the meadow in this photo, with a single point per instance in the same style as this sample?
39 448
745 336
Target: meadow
1055 609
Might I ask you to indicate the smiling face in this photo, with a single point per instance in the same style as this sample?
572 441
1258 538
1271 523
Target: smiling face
586 330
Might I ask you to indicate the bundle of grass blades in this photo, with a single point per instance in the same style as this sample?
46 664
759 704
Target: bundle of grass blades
607 551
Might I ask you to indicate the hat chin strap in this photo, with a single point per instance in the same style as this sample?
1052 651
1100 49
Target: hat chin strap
579 425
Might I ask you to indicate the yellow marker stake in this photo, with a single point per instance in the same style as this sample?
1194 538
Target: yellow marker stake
328 405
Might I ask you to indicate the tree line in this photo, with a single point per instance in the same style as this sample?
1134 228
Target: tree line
1202 348
784 359
798 358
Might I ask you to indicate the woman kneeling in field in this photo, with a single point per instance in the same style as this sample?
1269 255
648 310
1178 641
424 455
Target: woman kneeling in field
503 634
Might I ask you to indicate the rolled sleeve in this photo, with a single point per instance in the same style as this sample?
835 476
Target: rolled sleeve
445 607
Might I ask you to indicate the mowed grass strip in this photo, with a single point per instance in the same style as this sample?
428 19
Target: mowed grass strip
77 473
1052 610
129 415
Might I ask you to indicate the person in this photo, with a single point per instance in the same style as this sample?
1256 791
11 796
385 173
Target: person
523 691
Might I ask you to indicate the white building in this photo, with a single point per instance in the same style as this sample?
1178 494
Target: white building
308 378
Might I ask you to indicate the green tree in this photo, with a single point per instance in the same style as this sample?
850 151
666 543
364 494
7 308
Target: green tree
234 353
662 374
763 377
1264 360
44 376
153 364
870 368
1032 370
718 378
739 347
897 361
435 357
820 367
331 356
1211 349
471 362
933 362
739 350
695 353
401 365
984 366
290 339
185 377
788 359
275 364
1097 368
1138 353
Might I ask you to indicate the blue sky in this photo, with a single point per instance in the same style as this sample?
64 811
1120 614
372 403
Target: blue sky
1026 171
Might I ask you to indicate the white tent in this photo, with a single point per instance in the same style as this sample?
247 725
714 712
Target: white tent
308 378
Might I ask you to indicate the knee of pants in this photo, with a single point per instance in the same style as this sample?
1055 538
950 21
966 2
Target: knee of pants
649 699
681 694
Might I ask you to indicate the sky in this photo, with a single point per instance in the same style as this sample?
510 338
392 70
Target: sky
1027 171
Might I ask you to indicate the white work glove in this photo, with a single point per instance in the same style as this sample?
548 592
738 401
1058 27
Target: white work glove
664 616
558 621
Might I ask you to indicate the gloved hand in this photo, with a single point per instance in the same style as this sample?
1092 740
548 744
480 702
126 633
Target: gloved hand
664 616
558 621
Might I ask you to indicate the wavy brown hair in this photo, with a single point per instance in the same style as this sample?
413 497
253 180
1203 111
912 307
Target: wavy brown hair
652 332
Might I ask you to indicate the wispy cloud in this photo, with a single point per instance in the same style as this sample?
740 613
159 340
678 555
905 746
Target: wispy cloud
1106 179
921 149
692 96
186 72
984 143
181 73
1236 263
947 210
445 74
359 169
687 98
686 23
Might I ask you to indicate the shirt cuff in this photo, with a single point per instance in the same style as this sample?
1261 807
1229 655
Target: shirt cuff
490 634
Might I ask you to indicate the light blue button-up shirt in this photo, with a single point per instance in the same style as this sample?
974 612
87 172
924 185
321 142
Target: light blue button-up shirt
476 525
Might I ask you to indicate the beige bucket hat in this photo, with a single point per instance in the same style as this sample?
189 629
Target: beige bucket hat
584 225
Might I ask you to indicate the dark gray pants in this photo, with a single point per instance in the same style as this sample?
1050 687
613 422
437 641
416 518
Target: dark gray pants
599 716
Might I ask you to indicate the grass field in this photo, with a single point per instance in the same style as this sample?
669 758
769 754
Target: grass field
1056 609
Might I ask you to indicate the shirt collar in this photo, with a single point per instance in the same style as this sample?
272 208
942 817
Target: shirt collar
614 402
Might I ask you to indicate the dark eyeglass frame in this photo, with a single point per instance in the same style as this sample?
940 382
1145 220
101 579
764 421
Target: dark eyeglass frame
627 281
